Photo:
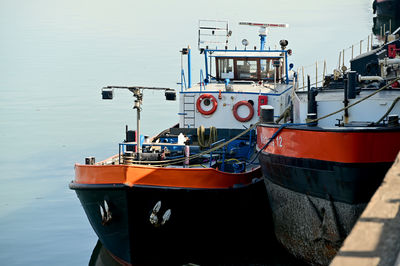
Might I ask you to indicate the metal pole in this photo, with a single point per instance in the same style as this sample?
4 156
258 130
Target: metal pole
189 68
206 63
262 42
316 74
139 149
361 46
340 57
182 72
352 51
323 74
343 59
372 37
303 77
368 45
286 69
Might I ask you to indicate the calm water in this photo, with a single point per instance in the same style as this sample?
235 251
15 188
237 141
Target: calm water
56 55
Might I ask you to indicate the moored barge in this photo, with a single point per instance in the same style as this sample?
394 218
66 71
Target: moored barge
322 168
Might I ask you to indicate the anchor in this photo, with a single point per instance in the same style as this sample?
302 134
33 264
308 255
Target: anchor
154 220
105 213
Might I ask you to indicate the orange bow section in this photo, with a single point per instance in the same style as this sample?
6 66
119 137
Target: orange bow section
157 176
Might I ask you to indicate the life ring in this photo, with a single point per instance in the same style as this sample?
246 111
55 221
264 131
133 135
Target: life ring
203 97
243 119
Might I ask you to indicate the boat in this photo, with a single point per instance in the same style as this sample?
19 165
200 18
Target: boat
194 192
387 17
322 167
388 8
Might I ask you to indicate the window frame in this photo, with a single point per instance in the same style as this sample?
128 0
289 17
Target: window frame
235 71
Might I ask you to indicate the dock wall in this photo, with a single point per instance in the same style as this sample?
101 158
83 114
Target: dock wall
375 238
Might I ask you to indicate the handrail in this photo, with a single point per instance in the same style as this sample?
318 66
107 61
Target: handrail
183 80
202 80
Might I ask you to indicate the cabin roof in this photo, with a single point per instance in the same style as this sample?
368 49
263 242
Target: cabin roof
248 54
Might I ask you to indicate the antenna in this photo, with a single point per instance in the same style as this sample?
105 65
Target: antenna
263 29
265 25
213 32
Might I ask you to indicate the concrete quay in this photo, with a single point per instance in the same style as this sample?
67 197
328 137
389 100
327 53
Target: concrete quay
375 238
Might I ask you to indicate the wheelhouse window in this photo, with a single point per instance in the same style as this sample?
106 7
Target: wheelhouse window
225 68
266 69
248 68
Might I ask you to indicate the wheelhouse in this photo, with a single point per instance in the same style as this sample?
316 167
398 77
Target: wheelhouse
266 66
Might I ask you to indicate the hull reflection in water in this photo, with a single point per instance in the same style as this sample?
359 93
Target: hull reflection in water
277 256
101 256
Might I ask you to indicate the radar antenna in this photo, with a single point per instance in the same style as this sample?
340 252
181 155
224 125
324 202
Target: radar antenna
263 29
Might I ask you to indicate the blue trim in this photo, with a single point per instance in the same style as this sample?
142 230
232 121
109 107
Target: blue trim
182 113
246 56
287 72
240 92
247 51
183 80
202 84
205 60
262 42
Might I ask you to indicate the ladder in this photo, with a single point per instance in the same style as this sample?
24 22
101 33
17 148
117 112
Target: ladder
188 110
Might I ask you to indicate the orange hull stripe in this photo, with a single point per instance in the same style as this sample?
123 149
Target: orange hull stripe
156 176
345 147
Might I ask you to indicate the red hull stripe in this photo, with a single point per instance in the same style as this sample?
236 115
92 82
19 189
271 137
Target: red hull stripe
157 176
344 147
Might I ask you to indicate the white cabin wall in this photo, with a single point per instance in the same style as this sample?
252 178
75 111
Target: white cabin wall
181 116
223 116
370 110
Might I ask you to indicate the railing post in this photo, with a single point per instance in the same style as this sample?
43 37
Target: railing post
119 153
189 68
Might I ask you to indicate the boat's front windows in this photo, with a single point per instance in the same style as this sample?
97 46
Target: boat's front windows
266 71
246 69
225 68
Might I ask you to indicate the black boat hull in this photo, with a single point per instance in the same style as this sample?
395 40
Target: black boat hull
218 225
311 228
315 208
319 181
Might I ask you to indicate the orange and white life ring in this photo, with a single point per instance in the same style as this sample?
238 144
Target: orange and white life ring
243 119
205 97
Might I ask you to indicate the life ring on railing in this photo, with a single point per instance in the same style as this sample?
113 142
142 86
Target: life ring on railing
206 97
243 119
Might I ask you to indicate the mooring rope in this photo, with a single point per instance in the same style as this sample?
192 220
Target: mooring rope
387 112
